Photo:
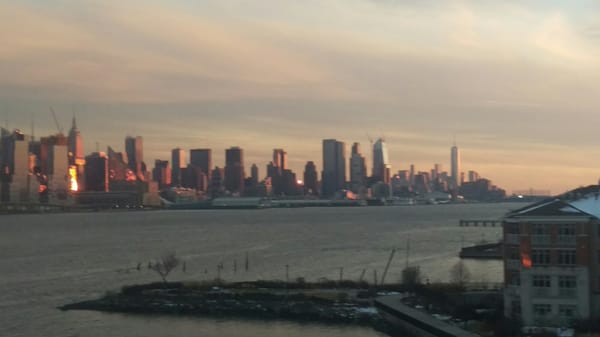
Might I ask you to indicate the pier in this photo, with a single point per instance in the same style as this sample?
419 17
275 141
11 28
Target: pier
413 322
479 223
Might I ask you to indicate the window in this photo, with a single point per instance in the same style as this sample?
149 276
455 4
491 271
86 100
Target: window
541 281
540 257
540 234
567 285
566 230
567 311
567 282
539 229
567 235
514 278
516 308
542 309
512 228
541 285
567 257
513 253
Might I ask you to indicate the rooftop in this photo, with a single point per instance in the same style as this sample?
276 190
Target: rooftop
583 201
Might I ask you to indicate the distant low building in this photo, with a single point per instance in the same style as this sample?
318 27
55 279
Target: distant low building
482 190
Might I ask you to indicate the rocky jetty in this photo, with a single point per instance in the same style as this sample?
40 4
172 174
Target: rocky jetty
258 300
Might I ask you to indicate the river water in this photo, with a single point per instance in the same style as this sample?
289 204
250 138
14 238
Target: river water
50 260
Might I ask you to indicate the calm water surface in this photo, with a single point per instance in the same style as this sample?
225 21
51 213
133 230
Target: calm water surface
50 260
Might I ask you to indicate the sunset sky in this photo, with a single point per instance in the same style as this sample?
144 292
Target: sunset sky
516 83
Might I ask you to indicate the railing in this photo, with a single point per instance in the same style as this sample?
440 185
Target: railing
483 286
567 292
541 291
545 320
567 240
540 240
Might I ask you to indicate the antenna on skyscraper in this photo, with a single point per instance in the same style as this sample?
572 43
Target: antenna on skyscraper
32 127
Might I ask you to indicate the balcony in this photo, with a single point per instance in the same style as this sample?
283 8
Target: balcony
543 320
540 240
567 240
567 292
541 291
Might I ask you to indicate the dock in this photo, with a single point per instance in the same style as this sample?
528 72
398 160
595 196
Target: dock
479 223
416 323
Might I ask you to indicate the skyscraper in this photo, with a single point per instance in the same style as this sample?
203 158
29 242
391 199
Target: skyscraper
311 184
381 163
216 182
254 174
276 169
202 160
118 170
45 144
193 177
76 157
280 159
96 172
334 167
162 173
177 165
17 179
234 170
358 171
58 172
75 144
455 167
437 170
134 148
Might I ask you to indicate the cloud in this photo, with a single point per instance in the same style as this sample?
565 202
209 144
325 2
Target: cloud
504 77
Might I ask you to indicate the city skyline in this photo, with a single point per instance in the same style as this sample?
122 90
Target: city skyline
262 157
514 82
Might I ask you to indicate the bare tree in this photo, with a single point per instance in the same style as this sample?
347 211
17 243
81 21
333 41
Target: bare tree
460 274
165 265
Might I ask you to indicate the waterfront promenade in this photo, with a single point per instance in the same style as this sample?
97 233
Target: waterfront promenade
414 322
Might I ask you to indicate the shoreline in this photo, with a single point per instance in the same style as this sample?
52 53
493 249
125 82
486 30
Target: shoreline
302 303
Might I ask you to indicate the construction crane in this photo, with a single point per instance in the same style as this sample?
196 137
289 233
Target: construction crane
60 129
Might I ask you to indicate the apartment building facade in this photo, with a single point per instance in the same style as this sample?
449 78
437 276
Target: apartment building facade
552 260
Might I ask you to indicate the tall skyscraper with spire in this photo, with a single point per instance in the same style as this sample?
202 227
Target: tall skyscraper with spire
381 162
75 144
455 166
75 157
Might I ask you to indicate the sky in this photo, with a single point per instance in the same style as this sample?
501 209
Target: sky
514 83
